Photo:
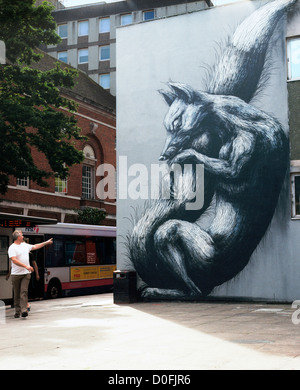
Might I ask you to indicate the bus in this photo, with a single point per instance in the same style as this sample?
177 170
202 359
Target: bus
8 223
81 260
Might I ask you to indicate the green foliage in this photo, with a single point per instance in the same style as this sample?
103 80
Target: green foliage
30 99
90 216
24 27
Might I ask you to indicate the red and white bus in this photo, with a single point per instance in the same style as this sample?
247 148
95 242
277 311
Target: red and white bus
81 260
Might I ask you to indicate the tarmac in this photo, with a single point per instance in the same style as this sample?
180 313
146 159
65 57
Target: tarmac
93 333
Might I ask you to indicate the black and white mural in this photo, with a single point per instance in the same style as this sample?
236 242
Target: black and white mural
245 154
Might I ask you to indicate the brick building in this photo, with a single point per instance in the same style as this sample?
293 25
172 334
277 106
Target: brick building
97 119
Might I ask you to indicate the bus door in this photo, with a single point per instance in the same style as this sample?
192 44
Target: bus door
36 285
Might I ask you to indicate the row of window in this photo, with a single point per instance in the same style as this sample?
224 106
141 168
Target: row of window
88 177
61 185
83 55
77 251
104 24
83 58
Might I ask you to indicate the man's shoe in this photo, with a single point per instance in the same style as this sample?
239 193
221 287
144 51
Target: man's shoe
25 314
17 315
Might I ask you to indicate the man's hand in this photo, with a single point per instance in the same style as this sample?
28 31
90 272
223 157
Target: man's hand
49 242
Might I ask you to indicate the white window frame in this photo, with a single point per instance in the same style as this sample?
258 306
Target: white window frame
61 186
58 30
146 12
101 28
66 56
84 62
294 172
123 19
293 196
100 53
80 24
90 163
23 183
88 182
100 83
291 55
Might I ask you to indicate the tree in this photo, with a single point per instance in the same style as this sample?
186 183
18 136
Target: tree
30 99
90 216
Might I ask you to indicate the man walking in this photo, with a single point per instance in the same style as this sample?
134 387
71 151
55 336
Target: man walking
21 270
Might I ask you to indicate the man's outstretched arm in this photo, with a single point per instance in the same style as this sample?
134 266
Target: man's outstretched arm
42 244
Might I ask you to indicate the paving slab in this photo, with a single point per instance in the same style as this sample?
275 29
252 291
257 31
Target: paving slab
93 333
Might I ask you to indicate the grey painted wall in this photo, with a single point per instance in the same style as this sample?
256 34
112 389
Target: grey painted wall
181 49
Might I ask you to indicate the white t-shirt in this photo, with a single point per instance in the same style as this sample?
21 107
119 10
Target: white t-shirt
21 252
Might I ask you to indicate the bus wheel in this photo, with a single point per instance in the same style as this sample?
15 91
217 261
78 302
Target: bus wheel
54 289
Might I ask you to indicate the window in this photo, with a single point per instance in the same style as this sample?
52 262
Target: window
61 185
87 182
293 54
75 252
88 172
104 25
126 19
55 253
3 255
63 56
24 182
83 28
148 15
83 56
63 30
106 250
295 190
104 80
104 53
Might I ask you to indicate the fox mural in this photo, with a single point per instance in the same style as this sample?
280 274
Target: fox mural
245 154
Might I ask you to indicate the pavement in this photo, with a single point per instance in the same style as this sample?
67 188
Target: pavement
93 333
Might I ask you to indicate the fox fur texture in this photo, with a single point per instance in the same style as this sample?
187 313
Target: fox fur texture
245 156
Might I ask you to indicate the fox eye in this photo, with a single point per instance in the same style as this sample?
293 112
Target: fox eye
177 123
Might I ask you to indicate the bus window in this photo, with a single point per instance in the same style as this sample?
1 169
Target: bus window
3 255
75 252
55 254
106 250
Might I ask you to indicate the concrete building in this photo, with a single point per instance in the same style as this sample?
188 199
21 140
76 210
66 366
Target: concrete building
89 32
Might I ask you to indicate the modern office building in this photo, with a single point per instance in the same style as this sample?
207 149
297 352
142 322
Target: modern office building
88 32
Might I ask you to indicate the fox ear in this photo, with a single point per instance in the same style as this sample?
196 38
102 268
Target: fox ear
168 96
183 91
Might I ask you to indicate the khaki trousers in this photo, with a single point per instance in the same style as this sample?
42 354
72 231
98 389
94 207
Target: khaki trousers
20 286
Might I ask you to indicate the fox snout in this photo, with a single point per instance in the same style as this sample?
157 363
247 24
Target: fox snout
172 147
168 153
